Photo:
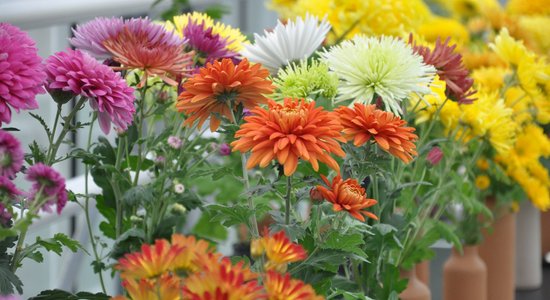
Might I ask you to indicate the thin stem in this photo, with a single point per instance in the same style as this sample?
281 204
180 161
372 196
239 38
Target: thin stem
54 131
287 199
66 128
139 123
18 250
87 205
116 189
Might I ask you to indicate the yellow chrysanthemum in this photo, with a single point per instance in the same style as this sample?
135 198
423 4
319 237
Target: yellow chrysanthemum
482 182
438 27
489 78
233 35
534 31
371 17
530 7
509 49
468 8
520 103
542 107
284 8
479 59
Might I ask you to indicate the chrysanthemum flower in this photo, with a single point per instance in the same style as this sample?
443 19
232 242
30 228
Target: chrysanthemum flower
287 42
385 67
222 280
8 190
533 7
50 184
153 260
187 259
305 80
279 250
219 88
449 68
508 49
289 132
167 286
91 35
347 195
149 47
11 155
77 72
282 287
233 37
21 72
5 215
389 131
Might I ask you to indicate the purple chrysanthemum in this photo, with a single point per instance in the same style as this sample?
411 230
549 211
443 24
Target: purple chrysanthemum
8 190
11 155
77 72
21 72
208 45
50 183
225 149
91 35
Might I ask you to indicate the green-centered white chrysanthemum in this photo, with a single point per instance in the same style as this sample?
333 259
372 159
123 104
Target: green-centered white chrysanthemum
305 79
378 66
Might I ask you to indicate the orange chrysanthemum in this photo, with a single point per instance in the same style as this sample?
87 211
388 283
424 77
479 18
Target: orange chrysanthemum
364 122
288 132
151 261
222 280
186 260
149 47
347 195
167 286
279 287
220 87
279 250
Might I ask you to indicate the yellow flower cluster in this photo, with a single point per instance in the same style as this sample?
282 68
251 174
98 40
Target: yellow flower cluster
522 163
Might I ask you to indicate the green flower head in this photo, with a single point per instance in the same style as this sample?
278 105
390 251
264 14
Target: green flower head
305 80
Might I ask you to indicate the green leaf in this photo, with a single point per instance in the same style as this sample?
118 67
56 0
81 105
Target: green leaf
42 122
346 242
448 233
137 195
208 229
66 241
9 281
59 294
233 215
133 161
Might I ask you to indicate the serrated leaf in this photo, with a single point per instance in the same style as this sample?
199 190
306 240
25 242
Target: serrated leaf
66 241
42 122
60 294
345 242
9 281
235 214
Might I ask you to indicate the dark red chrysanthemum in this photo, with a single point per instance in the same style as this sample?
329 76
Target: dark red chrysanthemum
450 69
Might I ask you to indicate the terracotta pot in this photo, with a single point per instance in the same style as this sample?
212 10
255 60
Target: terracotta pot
416 289
545 231
423 272
498 253
465 276
528 248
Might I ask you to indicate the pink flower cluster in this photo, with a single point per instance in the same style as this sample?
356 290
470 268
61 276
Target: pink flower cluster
49 183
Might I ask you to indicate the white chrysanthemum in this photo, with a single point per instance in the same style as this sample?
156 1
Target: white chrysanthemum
378 66
287 42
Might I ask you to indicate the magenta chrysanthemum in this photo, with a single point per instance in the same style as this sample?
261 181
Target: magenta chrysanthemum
21 72
209 46
91 35
449 68
77 72
8 190
50 184
11 155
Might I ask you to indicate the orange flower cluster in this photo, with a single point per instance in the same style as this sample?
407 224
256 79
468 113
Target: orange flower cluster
219 88
279 250
347 195
155 272
364 122
289 132
282 287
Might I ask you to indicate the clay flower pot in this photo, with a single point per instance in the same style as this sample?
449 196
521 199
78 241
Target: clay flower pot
465 276
423 272
416 289
498 253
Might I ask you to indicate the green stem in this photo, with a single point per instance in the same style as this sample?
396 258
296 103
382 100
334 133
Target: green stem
287 199
18 250
116 189
54 131
139 123
66 128
87 205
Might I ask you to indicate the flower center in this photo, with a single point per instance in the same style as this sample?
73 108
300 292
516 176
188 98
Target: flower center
5 158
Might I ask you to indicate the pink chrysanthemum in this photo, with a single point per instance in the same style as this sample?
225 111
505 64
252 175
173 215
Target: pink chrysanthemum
450 69
91 35
50 184
77 72
149 47
11 155
8 190
209 46
21 72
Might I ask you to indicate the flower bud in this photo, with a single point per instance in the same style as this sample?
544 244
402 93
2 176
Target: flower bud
434 156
